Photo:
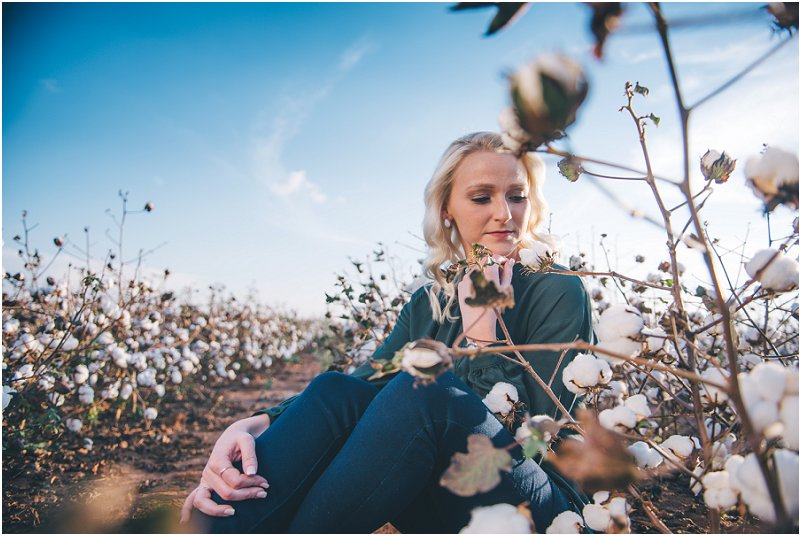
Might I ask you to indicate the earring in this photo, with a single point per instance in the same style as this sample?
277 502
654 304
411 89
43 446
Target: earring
447 223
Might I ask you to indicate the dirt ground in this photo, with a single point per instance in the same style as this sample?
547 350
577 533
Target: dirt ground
145 474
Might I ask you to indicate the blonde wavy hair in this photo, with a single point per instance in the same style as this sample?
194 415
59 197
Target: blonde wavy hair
445 244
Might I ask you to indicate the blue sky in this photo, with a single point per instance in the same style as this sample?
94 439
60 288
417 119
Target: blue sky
277 140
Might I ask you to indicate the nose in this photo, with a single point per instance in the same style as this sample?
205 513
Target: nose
501 211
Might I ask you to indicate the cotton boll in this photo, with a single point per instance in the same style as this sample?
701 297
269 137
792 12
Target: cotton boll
86 395
81 374
773 177
769 380
645 456
656 339
126 391
791 381
763 415
619 321
74 425
176 377
624 346
497 519
619 509
597 517
497 400
731 466
160 390
754 491
585 371
151 413
105 338
677 447
709 393
568 522
788 413
780 275
639 405
619 416
522 434
718 493
420 358
120 357
8 392
538 255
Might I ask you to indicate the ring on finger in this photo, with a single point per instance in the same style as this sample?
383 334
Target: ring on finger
225 469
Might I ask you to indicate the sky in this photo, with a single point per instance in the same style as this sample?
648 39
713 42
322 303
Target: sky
276 141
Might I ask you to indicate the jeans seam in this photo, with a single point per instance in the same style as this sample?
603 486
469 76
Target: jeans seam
397 460
289 495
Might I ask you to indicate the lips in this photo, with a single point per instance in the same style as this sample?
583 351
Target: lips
501 233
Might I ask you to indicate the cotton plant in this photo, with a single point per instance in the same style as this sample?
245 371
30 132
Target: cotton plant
567 522
497 519
626 415
618 330
585 372
607 513
773 269
770 395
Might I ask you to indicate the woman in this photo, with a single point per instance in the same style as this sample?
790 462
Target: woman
348 455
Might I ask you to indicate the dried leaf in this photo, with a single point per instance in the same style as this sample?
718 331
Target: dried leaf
507 12
487 293
605 19
478 470
600 462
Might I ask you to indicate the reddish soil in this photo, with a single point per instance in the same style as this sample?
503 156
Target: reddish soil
143 475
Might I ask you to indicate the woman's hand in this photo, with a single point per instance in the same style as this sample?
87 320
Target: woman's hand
480 323
236 443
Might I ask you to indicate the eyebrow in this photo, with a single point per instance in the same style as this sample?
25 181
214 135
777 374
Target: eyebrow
491 186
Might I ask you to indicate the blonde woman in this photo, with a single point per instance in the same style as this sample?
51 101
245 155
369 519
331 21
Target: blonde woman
348 454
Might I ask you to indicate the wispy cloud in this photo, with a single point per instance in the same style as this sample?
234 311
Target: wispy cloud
51 85
298 184
296 107
354 54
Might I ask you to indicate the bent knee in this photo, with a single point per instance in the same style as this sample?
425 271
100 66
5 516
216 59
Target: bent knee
339 385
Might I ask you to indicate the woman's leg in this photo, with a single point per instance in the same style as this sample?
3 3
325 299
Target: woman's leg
390 466
295 450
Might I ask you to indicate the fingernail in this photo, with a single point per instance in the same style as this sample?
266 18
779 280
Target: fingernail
229 512
250 470
265 485
261 494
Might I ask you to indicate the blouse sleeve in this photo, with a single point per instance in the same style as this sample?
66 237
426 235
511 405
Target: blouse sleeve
560 313
400 335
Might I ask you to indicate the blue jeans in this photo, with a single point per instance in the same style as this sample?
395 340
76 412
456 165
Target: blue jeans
346 458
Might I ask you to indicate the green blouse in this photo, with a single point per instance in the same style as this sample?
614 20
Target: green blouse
549 308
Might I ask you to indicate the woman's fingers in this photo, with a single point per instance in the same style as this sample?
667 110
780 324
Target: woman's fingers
203 502
228 492
237 480
247 449
186 509
506 277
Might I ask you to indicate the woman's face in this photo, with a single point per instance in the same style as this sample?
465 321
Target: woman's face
489 202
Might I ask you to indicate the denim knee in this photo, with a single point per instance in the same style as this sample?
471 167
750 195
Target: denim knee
336 390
